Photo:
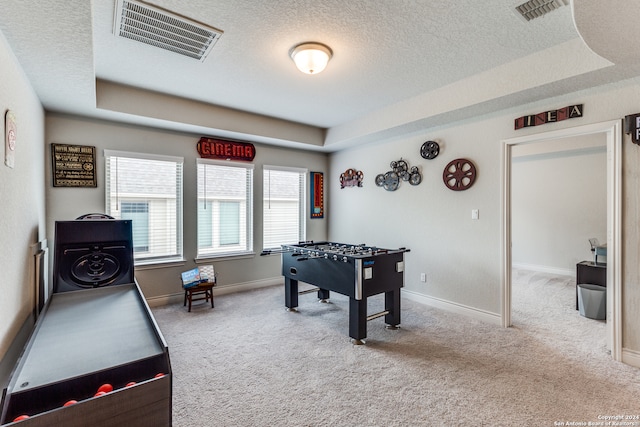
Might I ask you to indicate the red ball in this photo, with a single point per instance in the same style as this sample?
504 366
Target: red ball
71 402
20 418
159 375
107 388
130 384
100 393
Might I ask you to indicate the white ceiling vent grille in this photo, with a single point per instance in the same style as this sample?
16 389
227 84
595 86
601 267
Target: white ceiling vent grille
537 8
157 27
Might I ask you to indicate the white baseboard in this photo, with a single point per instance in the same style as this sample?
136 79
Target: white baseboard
545 269
474 313
217 290
631 357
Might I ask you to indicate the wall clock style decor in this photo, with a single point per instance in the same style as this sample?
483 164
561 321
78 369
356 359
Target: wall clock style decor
459 174
430 150
10 138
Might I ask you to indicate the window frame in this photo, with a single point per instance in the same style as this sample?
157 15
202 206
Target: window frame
302 204
247 214
176 241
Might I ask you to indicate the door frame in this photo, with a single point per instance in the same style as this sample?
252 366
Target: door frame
612 130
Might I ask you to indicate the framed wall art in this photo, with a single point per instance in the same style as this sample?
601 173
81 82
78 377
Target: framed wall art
73 165
317 194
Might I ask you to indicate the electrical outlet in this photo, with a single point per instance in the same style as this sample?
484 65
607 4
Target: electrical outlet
475 214
423 277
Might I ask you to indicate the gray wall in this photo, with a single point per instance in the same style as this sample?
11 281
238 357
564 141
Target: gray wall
160 282
460 256
22 206
559 191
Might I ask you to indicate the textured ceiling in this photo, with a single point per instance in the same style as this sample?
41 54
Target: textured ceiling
388 54
384 51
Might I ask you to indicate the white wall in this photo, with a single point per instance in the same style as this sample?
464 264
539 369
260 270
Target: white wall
559 191
69 203
460 256
21 199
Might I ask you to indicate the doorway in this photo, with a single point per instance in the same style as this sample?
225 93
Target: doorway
612 132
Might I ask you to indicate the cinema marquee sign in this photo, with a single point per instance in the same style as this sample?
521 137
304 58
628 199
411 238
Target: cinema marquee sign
213 148
570 112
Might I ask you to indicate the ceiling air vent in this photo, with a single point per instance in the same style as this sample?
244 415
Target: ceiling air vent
157 27
536 8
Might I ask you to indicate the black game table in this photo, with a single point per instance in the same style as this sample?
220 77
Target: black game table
357 271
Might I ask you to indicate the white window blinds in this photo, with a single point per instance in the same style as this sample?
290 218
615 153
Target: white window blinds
147 189
225 208
283 206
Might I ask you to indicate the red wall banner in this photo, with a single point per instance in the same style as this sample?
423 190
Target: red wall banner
317 195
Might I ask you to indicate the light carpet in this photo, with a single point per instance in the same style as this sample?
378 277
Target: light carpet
248 362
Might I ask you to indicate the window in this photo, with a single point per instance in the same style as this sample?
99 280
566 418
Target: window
225 208
138 213
147 189
283 206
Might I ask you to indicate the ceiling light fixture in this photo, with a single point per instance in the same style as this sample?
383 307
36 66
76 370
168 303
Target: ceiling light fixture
311 58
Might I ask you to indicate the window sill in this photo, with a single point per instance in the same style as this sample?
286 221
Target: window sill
149 265
224 257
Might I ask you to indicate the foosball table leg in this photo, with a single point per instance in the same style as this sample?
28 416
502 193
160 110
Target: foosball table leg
357 320
323 295
392 305
290 294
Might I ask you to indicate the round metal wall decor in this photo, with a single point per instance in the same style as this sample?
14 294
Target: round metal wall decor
400 171
400 168
391 181
415 177
430 150
459 174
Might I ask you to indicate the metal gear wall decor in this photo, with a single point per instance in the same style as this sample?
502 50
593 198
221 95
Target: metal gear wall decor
400 171
430 150
459 174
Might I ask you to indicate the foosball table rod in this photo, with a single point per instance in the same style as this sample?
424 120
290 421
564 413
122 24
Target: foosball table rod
376 315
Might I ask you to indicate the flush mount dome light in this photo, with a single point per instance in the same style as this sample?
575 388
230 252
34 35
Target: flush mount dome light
311 58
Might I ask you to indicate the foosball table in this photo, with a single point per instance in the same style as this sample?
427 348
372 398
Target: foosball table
357 271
